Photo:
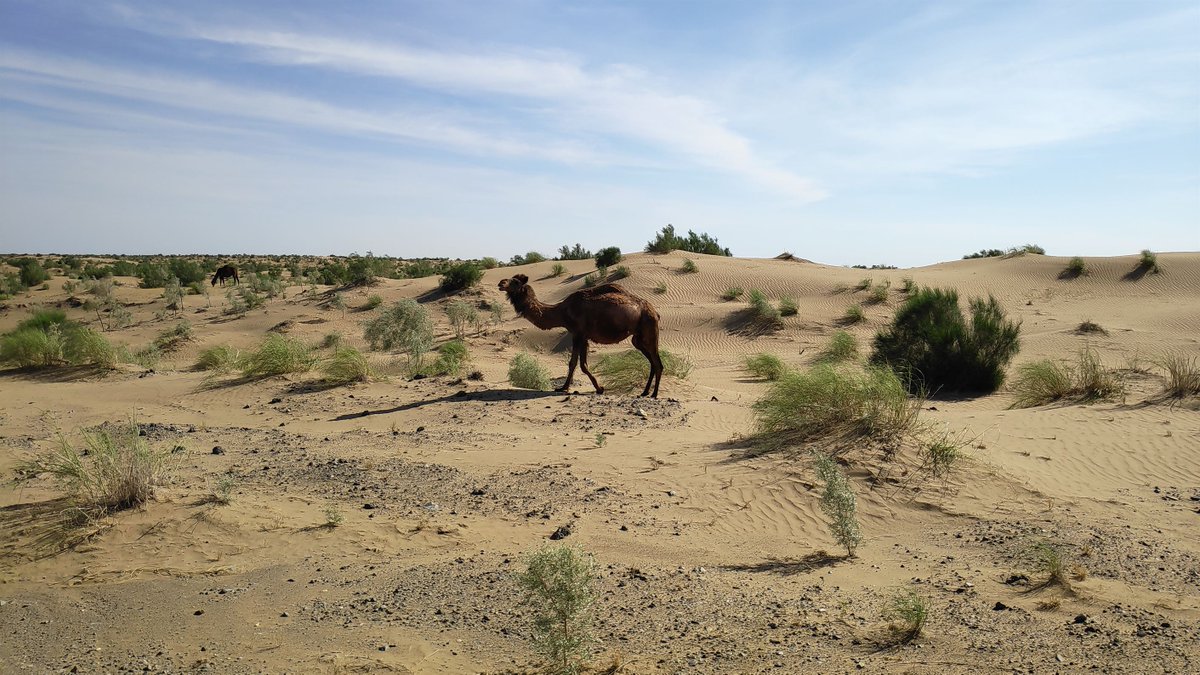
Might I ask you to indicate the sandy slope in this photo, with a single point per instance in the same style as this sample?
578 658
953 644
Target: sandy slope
710 562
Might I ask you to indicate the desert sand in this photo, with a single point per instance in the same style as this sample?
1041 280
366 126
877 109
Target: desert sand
710 561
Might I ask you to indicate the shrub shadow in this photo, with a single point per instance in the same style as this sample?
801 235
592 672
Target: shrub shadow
55 373
487 395
1137 273
747 323
789 566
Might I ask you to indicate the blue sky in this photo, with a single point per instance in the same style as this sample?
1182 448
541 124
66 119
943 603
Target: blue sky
853 132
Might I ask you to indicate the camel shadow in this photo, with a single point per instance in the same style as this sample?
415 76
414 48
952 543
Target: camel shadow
487 396
788 566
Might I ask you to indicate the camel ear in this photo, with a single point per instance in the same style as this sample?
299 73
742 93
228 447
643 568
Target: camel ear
521 278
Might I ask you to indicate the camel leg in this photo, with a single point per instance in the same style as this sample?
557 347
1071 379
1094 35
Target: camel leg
583 353
648 345
571 368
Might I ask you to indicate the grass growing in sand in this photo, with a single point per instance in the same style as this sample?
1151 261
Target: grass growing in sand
833 402
762 312
48 340
688 266
733 293
842 347
525 372
788 307
452 357
908 611
839 503
557 270
373 301
405 325
1050 560
1148 262
627 371
333 516
345 366
660 288
462 276
172 338
1075 268
1046 381
766 366
112 472
558 583
1183 373
219 359
854 314
462 314
277 355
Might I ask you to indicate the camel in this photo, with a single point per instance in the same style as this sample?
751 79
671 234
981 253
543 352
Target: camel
604 314
225 272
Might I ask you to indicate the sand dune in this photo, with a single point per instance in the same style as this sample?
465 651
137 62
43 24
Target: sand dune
710 561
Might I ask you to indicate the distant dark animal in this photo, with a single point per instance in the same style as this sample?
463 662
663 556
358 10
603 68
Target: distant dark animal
225 272
605 314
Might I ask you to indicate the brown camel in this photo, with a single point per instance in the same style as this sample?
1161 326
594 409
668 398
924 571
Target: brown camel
605 314
225 272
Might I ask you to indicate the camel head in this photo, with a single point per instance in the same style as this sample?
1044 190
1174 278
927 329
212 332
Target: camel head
515 284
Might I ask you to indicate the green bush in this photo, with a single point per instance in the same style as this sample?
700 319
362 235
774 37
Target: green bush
31 272
667 241
660 288
842 347
43 344
373 301
527 259
462 314
766 366
908 612
452 358
1075 268
608 256
879 293
1149 262
1046 381
405 325
733 293
761 309
489 263
688 266
628 370
788 307
43 319
832 403
573 253
153 274
221 359
278 355
525 372
172 338
931 346
559 590
461 276
984 253
838 502
345 366
557 269
620 273
854 314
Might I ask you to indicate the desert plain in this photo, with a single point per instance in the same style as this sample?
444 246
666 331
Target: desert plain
710 558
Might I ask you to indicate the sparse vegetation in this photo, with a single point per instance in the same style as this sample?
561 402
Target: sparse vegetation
940 454
667 241
608 256
221 491
1148 263
557 270
48 339
733 293
573 253
333 516
831 403
839 503
462 315
863 284
278 355
788 307
1075 268
405 325
527 259
620 273
462 276
660 288
931 346
879 292
345 366
766 366
908 611
628 370
559 589
1046 381
172 338
173 295
525 372
1090 326
373 301
1183 373
761 310
854 314
842 347
688 266
907 285
1049 559
219 359
451 359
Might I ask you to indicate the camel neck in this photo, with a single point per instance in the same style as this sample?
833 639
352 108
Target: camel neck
538 313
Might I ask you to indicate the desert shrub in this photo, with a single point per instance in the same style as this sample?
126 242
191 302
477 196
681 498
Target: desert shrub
462 314
788 307
688 266
452 358
1090 326
496 309
489 263
863 284
907 285
461 276
220 359
854 314
338 302
363 270
842 347
608 256
833 403
373 301
558 583
345 366
45 344
405 325
527 259
660 288
263 284
243 299
628 370
101 288
173 294
838 503
221 492
172 338
1049 559
984 253
593 279
576 252
908 613
666 241
525 372
620 273
941 453
153 274
31 272
1026 249
146 357
761 309
1075 268
333 516
331 340
70 287
931 346
766 366
733 293
1149 262
557 269
278 355
112 472
43 319
879 292
1046 381
1183 374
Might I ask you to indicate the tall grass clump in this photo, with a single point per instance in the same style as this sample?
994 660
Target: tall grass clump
113 471
462 315
1075 268
525 372
733 293
788 307
620 273
45 341
1046 381
558 583
660 288
219 359
854 314
345 366
931 346
451 358
831 403
628 370
1049 559
1183 374
557 270
278 355
908 611
405 326
838 502
842 347
688 266
761 309
373 301
461 276
172 338
766 366
879 292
